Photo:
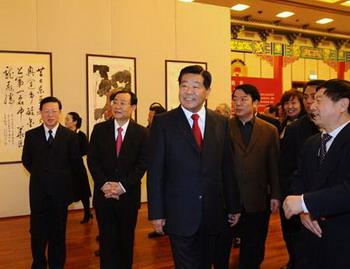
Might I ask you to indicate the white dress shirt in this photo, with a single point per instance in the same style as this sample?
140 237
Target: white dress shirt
201 120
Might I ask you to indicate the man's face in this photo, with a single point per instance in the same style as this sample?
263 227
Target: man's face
50 114
325 112
244 105
192 93
121 107
309 98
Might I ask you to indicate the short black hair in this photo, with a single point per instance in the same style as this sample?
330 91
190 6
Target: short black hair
50 99
157 108
76 117
316 83
133 98
196 69
250 90
336 89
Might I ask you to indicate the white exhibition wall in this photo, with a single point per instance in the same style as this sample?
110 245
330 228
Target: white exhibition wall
150 30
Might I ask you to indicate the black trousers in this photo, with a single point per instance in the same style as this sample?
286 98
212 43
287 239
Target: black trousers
117 232
290 229
193 252
254 228
224 246
48 229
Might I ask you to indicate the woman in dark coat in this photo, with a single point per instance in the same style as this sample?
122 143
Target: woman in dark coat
81 185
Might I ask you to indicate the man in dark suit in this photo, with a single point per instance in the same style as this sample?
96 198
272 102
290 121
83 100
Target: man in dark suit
256 149
190 178
50 154
275 122
117 162
322 183
295 136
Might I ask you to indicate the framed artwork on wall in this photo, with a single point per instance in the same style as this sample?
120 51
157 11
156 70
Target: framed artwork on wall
25 79
106 75
172 71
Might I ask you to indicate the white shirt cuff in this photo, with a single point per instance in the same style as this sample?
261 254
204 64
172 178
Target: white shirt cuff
303 204
121 185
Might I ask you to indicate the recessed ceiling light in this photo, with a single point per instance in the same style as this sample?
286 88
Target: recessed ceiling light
285 14
346 3
240 7
324 21
186 1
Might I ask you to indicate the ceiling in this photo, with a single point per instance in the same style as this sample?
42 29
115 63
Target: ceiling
306 13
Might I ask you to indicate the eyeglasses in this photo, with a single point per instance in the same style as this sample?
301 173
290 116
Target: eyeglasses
47 112
120 103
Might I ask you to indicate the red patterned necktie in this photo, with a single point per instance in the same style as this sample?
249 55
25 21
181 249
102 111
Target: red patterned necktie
197 131
119 140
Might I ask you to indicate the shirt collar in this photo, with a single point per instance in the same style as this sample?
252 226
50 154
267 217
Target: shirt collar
124 126
335 132
201 113
54 129
250 122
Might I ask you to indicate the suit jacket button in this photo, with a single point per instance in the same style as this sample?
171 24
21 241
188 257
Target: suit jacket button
200 197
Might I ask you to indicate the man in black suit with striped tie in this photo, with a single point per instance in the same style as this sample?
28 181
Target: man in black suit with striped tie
50 154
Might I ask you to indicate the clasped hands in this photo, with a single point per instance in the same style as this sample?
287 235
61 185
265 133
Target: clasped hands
112 190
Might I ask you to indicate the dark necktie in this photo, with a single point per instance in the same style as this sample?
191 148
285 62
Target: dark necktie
119 140
323 149
197 131
50 139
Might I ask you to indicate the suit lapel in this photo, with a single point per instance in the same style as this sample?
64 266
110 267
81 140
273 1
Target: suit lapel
58 136
184 128
128 138
110 136
333 153
236 134
256 132
209 130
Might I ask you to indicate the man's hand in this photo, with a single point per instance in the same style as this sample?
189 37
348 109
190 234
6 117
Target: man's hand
274 205
158 225
233 219
311 224
292 205
112 190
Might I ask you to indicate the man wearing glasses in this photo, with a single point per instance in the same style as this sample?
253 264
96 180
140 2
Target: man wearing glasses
117 162
51 156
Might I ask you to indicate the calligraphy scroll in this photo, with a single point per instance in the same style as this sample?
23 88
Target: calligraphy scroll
25 79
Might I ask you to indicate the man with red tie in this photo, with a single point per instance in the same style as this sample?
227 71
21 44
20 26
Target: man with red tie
117 162
191 187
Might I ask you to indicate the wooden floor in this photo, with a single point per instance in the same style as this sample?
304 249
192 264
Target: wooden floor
81 244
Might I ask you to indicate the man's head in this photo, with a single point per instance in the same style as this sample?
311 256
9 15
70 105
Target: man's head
50 110
245 99
331 107
309 91
123 104
194 84
154 109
